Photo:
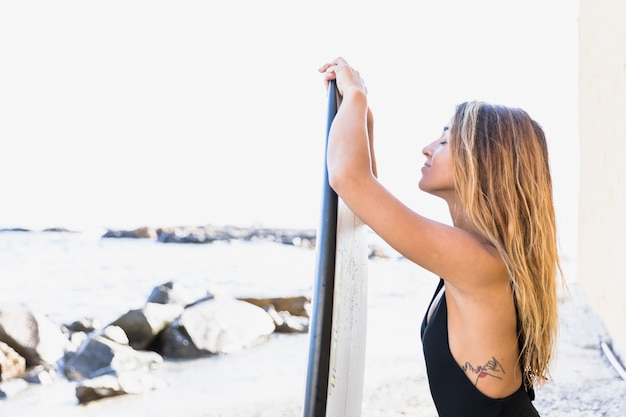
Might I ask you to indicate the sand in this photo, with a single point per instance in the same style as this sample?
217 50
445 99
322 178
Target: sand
268 380
583 383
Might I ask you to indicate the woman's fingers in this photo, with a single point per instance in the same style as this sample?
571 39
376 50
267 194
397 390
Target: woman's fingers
330 68
344 74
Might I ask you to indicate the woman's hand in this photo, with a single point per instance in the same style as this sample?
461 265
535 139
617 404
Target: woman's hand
348 79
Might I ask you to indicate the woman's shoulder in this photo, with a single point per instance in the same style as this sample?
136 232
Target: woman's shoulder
484 274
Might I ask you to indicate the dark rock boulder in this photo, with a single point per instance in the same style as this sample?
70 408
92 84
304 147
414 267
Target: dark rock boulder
144 324
99 356
175 343
176 293
85 325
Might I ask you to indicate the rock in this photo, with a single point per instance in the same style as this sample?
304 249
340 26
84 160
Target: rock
186 235
100 356
139 233
57 230
299 238
220 325
174 342
11 363
112 385
293 324
86 325
115 334
209 234
296 306
144 233
143 325
286 323
290 314
175 293
33 335
39 374
77 339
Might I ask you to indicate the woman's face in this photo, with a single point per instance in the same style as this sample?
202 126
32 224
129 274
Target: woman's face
437 172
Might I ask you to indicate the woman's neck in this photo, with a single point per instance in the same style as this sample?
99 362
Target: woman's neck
462 221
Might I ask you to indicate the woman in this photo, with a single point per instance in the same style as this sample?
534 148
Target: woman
490 330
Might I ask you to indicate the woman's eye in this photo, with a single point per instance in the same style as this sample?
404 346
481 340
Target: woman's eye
443 142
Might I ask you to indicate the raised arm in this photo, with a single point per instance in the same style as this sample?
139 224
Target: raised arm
450 252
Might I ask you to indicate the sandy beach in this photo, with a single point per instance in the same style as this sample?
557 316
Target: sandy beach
584 383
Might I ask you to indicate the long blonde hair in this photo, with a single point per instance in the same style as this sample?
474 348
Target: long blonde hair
502 175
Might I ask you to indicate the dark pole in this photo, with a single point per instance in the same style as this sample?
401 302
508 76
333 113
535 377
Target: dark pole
322 301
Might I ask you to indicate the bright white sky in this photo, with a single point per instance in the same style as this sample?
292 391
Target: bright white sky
129 113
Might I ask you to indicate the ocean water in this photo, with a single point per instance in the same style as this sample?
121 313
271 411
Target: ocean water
73 275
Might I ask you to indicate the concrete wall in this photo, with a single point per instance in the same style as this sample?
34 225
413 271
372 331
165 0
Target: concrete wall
602 124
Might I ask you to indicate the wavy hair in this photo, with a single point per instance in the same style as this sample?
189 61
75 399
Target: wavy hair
502 176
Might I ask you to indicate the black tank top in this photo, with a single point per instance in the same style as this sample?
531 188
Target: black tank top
453 393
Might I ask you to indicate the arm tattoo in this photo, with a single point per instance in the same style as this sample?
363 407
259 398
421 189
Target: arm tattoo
491 368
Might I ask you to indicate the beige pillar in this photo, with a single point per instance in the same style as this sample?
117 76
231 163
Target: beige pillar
602 124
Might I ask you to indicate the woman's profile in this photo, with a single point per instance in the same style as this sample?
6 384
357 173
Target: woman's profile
490 330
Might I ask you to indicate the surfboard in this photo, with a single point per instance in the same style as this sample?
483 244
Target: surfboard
335 374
